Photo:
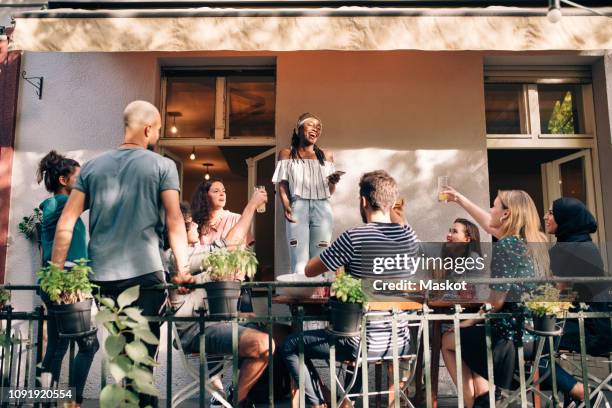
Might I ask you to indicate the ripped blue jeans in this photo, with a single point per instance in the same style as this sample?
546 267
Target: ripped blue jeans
312 232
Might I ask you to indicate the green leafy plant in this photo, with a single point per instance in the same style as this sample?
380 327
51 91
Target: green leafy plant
546 301
5 297
30 225
230 264
66 287
348 289
129 361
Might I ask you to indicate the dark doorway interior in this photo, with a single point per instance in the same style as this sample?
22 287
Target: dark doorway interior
520 169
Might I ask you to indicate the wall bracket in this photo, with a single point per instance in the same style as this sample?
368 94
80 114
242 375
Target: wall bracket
36 82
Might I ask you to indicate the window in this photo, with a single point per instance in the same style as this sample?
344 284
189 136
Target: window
503 108
219 105
560 109
190 107
536 104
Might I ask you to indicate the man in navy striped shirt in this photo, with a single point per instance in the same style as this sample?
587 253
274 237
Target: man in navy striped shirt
384 234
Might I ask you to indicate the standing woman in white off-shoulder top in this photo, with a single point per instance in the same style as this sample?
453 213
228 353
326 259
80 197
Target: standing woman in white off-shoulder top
306 179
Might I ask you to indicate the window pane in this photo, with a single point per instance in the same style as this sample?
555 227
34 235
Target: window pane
573 179
190 107
502 108
560 109
251 106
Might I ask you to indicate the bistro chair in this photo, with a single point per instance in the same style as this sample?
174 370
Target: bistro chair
598 385
191 362
351 370
535 360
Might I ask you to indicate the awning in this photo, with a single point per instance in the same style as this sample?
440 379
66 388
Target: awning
345 28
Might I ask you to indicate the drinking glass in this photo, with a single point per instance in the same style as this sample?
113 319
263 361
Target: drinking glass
442 185
261 208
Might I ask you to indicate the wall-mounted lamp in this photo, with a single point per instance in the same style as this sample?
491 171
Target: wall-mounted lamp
554 10
174 115
192 156
207 173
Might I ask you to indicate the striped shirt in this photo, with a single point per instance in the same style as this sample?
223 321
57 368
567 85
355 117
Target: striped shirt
355 249
307 178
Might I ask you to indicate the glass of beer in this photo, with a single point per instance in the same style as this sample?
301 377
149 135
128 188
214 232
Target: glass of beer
261 208
442 185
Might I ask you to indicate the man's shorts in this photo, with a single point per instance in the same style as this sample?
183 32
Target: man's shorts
218 338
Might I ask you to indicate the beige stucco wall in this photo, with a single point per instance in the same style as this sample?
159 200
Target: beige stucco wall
602 93
415 114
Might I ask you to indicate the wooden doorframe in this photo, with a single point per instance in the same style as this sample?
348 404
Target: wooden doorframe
9 90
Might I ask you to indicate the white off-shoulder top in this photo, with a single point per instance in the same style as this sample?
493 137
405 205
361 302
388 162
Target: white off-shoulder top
307 177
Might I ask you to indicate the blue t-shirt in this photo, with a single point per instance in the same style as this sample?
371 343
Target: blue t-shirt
51 211
123 193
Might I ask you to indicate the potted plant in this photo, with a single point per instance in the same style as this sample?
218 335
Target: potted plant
5 297
125 348
347 303
30 225
226 268
70 291
545 306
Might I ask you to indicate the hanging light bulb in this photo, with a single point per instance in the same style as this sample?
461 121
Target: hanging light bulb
192 155
207 173
174 129
174 114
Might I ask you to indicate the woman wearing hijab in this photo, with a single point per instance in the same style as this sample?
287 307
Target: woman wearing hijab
575 255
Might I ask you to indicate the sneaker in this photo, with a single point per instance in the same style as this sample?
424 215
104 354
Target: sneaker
214 402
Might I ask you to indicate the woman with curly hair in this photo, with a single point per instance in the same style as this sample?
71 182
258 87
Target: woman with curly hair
208 211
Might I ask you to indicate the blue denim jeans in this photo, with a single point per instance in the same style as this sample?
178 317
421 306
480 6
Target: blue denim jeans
311 233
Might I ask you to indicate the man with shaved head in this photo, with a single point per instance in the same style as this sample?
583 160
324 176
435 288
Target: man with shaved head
131 192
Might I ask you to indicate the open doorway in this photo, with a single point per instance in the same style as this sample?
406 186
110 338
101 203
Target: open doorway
240 168
546 174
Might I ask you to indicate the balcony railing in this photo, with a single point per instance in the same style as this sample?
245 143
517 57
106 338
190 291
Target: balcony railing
21 351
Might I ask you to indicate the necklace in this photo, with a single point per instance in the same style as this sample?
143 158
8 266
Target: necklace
129 143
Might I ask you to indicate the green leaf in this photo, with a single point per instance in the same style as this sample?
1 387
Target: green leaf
150 362
145 387
108 302
111 396
141 374
112 329
135 314
119 367
146 335
128 296
105 315
137 351
114 345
